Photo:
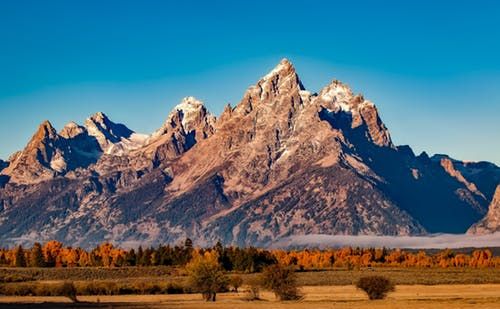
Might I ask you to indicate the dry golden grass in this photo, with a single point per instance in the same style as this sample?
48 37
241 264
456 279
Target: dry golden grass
348 297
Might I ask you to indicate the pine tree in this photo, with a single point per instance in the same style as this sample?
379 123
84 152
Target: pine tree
139 256
19 258
36 256
130 258
188 243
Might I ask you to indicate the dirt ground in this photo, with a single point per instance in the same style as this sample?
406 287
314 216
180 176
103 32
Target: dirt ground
315 297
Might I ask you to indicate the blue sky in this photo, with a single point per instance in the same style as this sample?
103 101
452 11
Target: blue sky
431 67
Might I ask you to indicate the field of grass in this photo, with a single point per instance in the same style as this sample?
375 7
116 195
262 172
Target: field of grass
414 296
405 276
416 288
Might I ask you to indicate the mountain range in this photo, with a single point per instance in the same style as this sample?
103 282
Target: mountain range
284 161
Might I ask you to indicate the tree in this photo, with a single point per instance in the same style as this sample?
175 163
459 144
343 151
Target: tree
282 280
235 282
206 275
36 256
19 258
188 243
253 290
139 256
376 287
51 251
130 258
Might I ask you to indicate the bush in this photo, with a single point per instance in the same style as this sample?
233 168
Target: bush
18 289
206 276
68 289
253 292
282 281
7 278
172 288
98 288
235 282
376 287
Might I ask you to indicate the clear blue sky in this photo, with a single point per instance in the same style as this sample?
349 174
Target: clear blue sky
432 67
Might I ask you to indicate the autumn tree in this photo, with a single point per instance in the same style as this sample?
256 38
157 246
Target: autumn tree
282 280
51 252
206 275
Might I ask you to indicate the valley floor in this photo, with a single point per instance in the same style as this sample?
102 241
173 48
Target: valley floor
317 297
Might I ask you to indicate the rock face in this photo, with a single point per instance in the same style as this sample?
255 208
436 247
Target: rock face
42 158
282 162
3 164
187 124
50 154
491 222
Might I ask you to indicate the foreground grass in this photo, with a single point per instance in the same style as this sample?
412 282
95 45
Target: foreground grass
414 296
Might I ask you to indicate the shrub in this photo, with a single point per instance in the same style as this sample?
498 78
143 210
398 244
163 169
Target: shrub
235 282
282 281
253 292
68 289
376 287
97 288
18 289
172 288
7 278
206 276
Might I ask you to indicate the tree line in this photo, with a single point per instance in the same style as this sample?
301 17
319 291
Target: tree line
55 254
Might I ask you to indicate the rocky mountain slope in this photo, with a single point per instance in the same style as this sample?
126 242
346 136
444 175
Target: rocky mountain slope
282 162
491 222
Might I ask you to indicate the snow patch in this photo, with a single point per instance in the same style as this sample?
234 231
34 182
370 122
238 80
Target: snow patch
58 163
280 67
190 108
135 141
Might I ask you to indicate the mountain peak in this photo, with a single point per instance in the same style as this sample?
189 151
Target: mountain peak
189 104
71 129
45 131
106 131
189 112
280 81
99 117
335 91
284 67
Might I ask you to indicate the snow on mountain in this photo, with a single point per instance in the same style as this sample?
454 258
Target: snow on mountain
114 139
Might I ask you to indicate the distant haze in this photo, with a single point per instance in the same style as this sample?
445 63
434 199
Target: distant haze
439 241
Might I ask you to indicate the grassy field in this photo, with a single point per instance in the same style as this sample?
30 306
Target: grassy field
416 288
318 297
405 276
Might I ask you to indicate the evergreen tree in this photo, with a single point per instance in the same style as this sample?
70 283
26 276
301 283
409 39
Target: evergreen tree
19 258
36 256
130 258
139 256
188 243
